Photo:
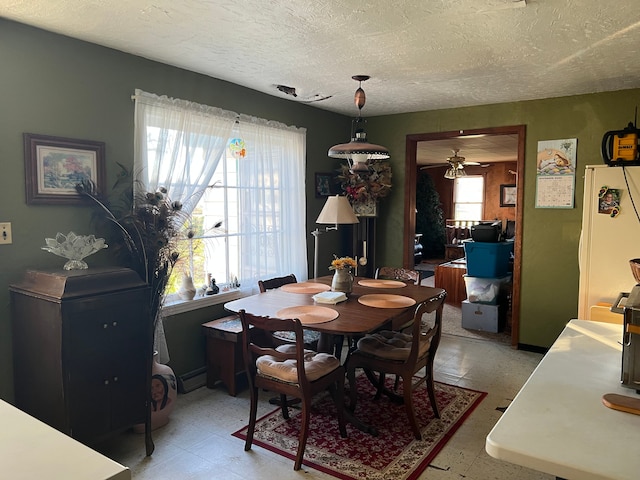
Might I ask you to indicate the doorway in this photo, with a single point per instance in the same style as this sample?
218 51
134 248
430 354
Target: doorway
411 169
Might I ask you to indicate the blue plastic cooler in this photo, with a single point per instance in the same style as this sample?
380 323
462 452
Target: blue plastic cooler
488 260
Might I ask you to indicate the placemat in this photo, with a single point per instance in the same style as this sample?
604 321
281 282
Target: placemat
305 287
308 314
379 283
383 300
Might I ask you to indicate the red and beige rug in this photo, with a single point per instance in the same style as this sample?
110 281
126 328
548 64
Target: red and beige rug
393 454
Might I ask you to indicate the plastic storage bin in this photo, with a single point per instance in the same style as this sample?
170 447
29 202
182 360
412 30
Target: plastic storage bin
488 318
489 260
484 290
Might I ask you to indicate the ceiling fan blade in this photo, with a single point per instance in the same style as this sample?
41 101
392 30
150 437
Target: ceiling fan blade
472 164
433 165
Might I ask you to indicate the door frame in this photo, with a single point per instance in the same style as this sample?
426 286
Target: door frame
411 175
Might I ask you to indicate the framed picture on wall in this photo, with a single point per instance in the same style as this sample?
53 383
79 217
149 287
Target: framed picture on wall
55 165
507 195
324 182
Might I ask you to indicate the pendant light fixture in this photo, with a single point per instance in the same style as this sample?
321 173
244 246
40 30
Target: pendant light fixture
358 152
456 166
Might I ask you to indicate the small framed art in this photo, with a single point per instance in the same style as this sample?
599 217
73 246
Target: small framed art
508 195
323 185
55 165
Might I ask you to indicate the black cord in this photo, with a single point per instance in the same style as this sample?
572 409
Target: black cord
626 181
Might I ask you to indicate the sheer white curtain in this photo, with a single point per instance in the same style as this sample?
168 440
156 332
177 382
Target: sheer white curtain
178 145
272 200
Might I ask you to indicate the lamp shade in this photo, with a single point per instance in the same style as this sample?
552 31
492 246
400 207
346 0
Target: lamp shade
359 148
337 211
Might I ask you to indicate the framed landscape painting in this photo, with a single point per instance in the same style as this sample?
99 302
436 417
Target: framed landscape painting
55 165
508 194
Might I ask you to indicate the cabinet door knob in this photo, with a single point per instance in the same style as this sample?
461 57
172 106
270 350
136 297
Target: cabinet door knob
115 324
115 379
106 382
105 326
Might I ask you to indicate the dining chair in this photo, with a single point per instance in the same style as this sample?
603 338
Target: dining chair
292 370
395 273
311 337
393 352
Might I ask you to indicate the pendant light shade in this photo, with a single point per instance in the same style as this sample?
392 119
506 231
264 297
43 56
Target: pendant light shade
358 152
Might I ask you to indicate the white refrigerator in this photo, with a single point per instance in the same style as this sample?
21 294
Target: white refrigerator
607 242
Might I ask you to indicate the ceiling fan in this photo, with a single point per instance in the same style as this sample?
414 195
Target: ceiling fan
456 165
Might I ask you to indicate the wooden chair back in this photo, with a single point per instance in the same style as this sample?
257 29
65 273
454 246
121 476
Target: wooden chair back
394 273
276 282
252 351
429 339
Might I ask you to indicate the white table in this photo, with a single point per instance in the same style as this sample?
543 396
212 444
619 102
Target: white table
558 424
31 449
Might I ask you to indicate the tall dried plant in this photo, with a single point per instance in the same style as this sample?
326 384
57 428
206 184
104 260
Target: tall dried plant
148 226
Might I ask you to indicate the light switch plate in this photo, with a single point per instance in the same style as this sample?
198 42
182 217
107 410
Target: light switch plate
5 233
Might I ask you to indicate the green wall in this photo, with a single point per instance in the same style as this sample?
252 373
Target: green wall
549 286
54 85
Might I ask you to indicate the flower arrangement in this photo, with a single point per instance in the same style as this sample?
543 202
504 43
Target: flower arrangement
342 263
366 186
149 226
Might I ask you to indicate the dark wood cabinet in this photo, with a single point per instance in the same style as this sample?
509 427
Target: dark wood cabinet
82 350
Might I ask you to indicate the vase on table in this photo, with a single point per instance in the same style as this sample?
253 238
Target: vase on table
187 289
164 392
342 280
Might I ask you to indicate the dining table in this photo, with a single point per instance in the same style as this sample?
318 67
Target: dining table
372 304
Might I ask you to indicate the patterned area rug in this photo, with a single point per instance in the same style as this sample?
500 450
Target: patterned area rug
393 454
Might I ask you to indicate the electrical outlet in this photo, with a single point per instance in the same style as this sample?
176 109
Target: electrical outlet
5 233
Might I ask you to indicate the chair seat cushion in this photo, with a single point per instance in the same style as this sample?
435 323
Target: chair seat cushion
316 365
389 345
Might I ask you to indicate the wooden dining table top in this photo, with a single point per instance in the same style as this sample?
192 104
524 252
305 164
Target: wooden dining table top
353 317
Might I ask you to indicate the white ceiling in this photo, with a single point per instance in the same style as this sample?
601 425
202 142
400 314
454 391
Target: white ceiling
485 149
420 54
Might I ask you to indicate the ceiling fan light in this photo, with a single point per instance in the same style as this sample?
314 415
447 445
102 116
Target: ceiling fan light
450 174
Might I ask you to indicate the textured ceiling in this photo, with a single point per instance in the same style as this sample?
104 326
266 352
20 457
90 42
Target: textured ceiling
483 149
420 54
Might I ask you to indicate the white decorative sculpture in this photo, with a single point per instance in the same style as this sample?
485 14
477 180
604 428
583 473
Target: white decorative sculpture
74 248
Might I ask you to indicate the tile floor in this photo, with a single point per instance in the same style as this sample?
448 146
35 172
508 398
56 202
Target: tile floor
197 442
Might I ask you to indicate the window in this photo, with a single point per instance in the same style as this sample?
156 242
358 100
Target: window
240 178
468 197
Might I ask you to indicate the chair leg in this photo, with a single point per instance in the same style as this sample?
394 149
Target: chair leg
432 392
253 409
353 391
408 406
284 406
304 432
337 393
380 386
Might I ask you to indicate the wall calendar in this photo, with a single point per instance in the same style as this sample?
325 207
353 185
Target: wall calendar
556 173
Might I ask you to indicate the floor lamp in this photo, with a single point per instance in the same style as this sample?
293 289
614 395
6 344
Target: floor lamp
336 211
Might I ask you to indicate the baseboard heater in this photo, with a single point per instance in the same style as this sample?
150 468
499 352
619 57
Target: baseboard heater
192 380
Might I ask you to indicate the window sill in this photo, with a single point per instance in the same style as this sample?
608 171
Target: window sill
175 307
